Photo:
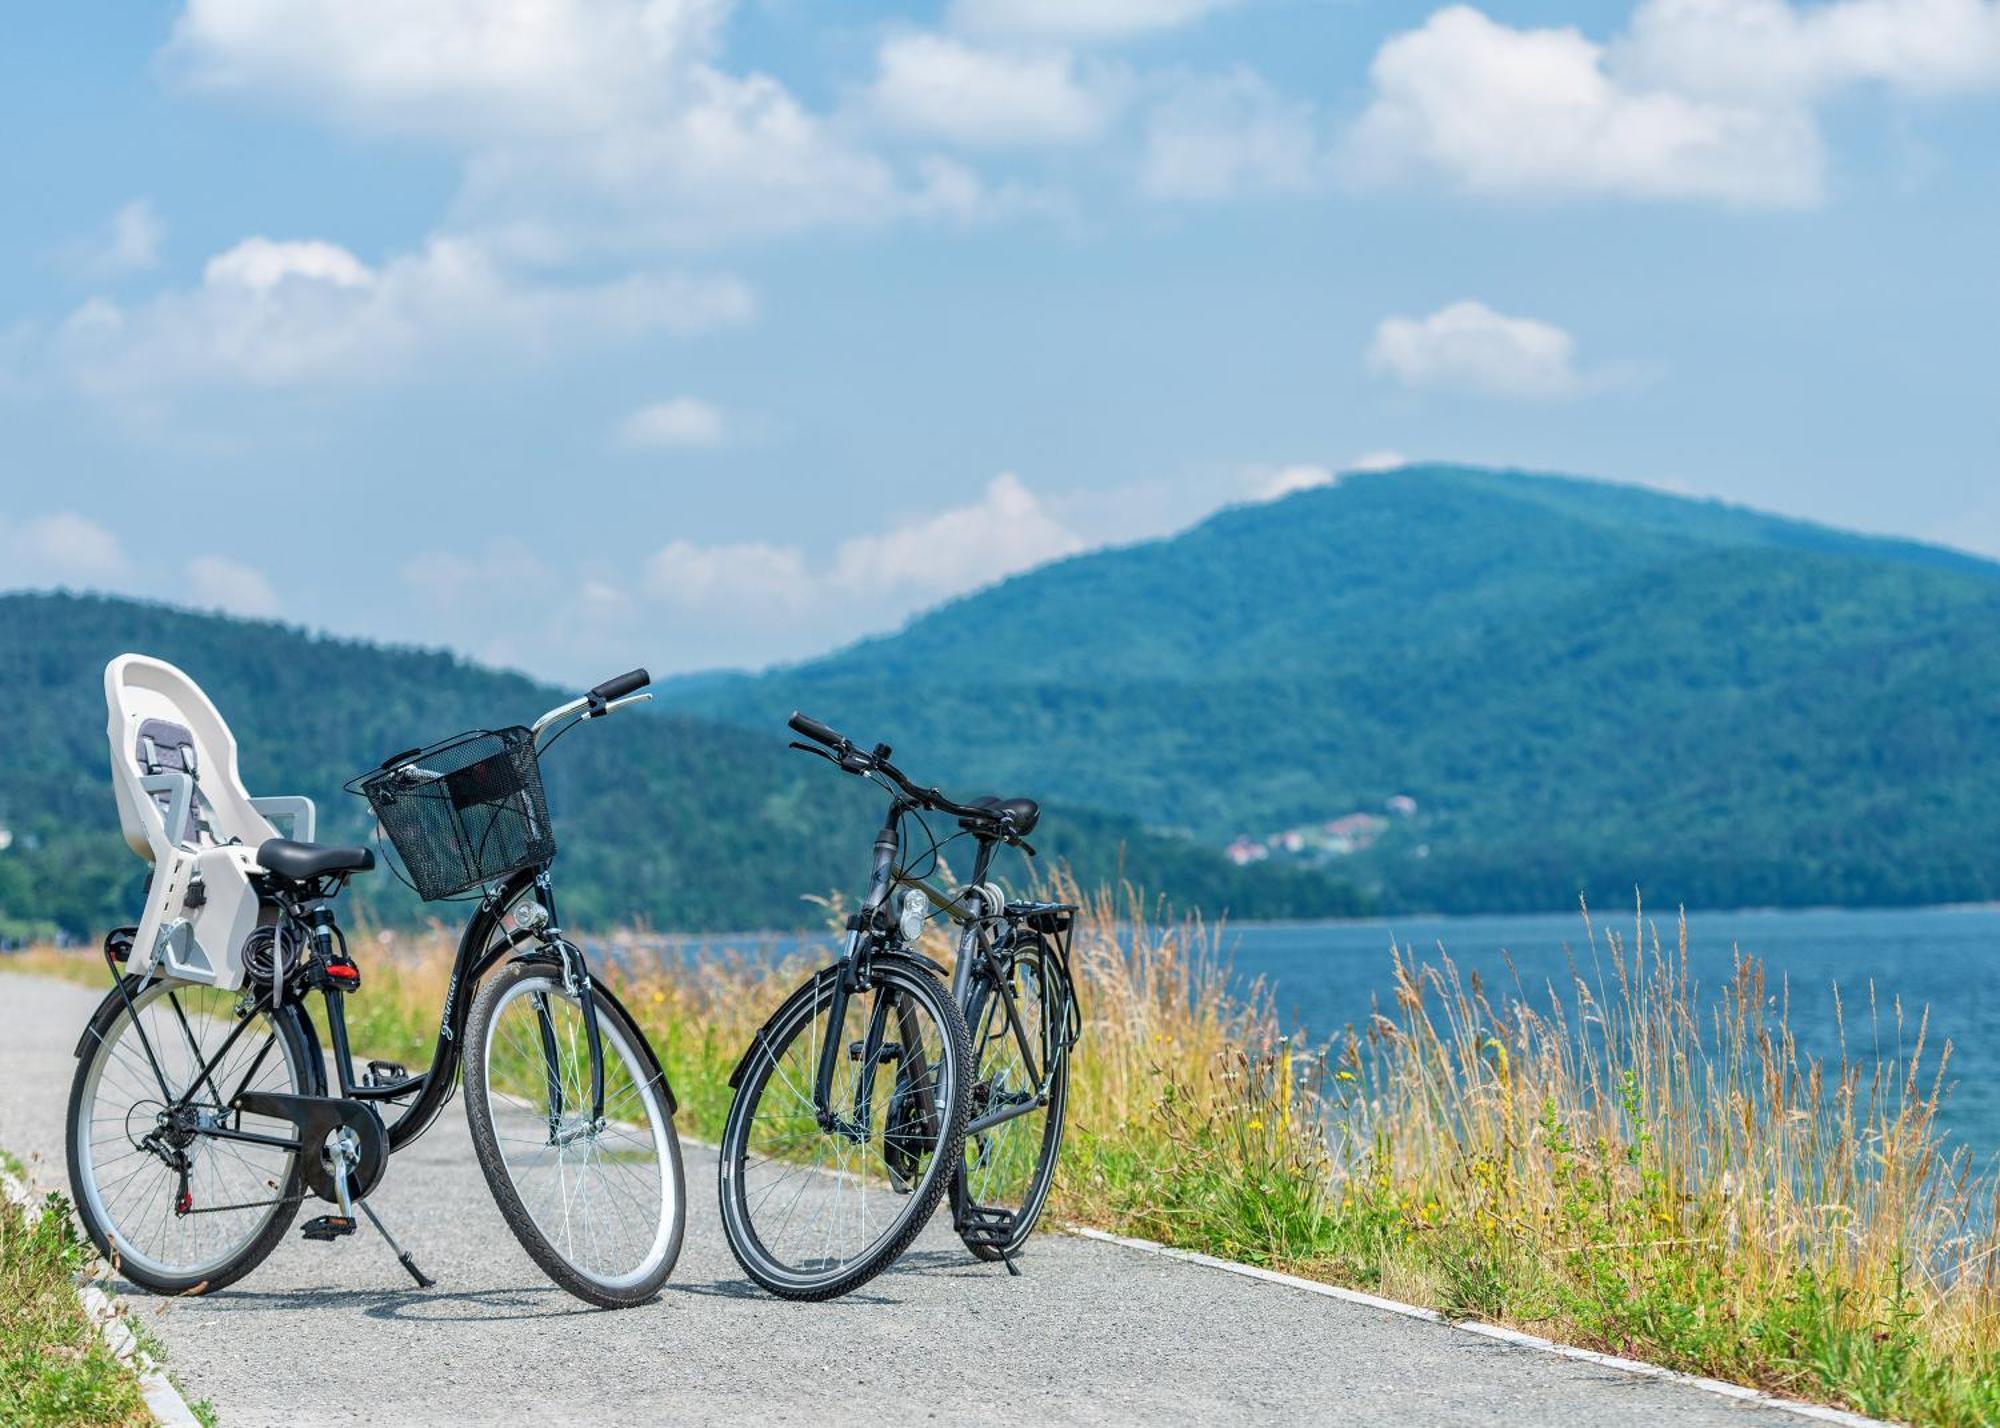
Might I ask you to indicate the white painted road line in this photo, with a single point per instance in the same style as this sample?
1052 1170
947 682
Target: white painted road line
1637 1367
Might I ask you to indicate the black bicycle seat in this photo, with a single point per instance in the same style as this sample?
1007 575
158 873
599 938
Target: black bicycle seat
302 862
1024 812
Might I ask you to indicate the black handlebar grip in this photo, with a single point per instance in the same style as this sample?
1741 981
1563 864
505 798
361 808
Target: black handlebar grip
629 682
816 731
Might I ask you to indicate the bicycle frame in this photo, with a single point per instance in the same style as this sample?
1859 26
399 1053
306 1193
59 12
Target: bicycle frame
975 951
853 980
481 946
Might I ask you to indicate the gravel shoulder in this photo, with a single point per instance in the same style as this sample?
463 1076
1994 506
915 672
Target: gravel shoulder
1090 1333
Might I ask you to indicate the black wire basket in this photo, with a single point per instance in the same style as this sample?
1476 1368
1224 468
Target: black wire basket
463 812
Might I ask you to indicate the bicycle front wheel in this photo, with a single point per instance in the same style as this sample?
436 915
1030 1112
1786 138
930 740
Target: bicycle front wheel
599 1202
819 1199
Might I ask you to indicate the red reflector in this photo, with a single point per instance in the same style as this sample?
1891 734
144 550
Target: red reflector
345 973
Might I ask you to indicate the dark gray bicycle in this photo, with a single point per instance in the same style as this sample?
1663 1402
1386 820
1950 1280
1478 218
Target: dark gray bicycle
876 1089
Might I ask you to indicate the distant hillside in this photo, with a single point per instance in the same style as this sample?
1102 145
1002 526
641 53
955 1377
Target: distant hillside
1583 687
679 822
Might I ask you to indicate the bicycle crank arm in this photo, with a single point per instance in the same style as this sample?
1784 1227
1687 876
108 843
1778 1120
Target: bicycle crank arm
1004 1114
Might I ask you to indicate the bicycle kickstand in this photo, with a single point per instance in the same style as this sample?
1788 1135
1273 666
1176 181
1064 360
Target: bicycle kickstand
402 1255
1013 1269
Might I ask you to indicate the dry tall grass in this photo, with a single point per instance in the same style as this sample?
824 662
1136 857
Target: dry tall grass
1625 1161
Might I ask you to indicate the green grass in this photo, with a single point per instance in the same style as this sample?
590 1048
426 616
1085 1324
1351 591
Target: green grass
1633 1166
1627 1162
54 1366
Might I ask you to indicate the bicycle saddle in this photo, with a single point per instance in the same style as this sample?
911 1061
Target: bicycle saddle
1024 811
302 862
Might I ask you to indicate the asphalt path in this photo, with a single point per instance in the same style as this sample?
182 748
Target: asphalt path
1090 1333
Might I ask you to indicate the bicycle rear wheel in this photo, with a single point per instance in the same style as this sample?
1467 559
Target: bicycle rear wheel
599 1203
1010 1167
178 1210
816 1205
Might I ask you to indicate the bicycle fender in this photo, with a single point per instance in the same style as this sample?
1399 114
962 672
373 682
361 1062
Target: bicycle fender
910 954
107 1011
904 956
645 1047
822 978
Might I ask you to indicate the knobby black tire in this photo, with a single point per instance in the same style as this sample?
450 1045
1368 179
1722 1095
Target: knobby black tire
105 1026
800 1011
1029 1212
492 1162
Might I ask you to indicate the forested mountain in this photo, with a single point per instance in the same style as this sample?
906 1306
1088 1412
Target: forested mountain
1582 688
662 818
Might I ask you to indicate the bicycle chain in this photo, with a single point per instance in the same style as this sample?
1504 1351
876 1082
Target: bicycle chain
246 1205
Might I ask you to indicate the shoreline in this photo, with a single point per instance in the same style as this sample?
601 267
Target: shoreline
1224 925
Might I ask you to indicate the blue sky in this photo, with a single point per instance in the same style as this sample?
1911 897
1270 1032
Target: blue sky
580 333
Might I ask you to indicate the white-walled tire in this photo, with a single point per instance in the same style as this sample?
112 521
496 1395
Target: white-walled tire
601 1207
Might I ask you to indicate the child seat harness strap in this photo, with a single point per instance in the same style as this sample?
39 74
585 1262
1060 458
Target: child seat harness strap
167 747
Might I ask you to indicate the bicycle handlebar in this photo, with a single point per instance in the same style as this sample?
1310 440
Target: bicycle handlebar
858 761
819 733
629 682
607 698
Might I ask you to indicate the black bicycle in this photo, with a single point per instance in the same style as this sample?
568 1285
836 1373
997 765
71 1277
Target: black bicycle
201 1117
865 1098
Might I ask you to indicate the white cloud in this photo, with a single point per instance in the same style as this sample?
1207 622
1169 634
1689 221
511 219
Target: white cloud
749 601
129 242
1213 138
62 549
749 577
1267 484
1080 19
586 126
260 265
1696 99
739 157
70 551
1515 111
279 314
1004 532
676 422
216 582
467 69
1772 50
1470 347
944 88
1270 483
507 605
1007 530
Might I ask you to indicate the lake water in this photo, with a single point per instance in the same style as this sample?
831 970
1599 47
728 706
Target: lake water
1325 975
1947 959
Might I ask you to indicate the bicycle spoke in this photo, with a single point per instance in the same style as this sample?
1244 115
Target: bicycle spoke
603 1197
124 1140
819 1198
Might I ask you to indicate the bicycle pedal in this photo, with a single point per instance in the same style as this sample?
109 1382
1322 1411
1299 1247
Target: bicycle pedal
891 1051
981 1226
385 1073
328 1227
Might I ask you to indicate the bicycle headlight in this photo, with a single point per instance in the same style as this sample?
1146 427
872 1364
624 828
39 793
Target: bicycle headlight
916 911
530 916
